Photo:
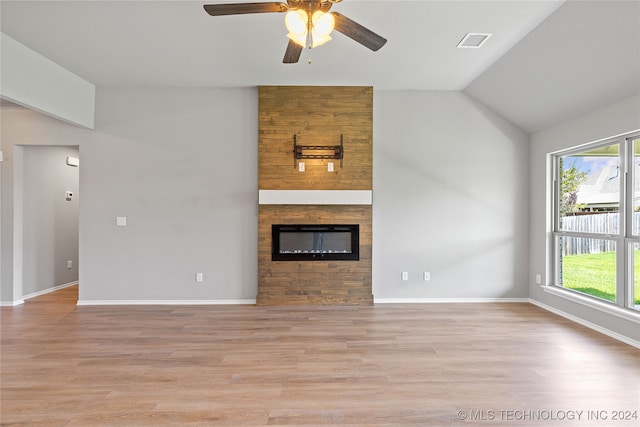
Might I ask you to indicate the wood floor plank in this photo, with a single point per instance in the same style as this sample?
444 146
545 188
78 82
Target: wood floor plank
385 365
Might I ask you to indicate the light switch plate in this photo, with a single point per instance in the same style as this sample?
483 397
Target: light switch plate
121 221
301 167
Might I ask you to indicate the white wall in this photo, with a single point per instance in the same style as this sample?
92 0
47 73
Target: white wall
181 165
450 196
50 221
615 119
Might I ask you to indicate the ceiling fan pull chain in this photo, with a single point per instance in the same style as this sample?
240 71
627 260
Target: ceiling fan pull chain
309 33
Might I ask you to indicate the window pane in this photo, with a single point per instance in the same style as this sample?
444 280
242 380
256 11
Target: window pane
589 198
588 266
636 186
636 277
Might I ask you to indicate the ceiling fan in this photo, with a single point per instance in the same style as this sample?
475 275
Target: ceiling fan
309 23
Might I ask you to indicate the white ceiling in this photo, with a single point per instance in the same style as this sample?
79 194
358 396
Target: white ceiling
584 56
175 43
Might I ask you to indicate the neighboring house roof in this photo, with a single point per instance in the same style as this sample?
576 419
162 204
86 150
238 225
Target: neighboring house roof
602 186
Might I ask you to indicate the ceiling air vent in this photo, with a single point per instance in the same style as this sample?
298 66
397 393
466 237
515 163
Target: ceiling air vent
473 40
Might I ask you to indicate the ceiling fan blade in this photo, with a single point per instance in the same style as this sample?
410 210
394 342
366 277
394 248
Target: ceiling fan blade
357 32
243 8
293 52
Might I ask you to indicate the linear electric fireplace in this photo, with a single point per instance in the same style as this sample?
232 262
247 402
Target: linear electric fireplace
315 242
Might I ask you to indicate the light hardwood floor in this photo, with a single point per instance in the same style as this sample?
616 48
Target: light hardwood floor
509 364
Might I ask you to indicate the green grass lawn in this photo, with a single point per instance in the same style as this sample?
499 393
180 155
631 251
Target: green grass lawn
595 274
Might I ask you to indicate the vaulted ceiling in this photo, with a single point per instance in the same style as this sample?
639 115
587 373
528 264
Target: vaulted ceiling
546 61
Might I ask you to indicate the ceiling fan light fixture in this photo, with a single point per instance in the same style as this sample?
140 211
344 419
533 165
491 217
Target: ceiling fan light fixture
300 39
296 21
323 23
318 39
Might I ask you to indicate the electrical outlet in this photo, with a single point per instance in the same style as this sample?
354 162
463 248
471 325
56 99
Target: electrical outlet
426 276
538 279
199 277
69 265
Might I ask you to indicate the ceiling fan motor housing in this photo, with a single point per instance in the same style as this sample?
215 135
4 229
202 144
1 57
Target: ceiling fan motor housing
311 6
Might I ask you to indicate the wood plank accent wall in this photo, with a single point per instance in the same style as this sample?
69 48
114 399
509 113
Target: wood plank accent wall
317 115
314 282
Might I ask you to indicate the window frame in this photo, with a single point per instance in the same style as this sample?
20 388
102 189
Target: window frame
624 239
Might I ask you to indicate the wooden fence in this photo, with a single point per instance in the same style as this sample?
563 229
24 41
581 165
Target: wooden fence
606 223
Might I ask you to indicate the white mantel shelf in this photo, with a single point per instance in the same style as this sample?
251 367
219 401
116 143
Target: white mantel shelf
315 197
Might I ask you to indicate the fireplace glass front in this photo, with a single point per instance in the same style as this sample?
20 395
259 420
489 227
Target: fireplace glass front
311 242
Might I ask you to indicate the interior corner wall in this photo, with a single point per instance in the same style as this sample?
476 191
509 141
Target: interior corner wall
450 197
50 220
616 119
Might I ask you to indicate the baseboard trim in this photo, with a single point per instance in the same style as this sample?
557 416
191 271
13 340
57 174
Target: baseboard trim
445 300
169 302
11 303
589 325
595 303
36 294
47 291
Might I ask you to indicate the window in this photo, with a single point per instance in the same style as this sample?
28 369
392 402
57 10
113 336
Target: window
596 221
